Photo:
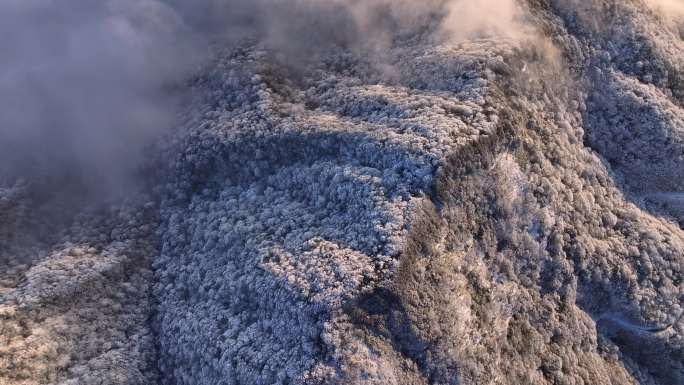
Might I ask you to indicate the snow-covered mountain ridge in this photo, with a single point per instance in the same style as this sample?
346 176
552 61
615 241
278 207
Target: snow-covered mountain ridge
497 209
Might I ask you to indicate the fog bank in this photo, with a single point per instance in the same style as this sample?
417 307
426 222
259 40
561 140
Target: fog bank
85 85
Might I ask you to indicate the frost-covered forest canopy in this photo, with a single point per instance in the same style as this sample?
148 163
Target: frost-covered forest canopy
342 192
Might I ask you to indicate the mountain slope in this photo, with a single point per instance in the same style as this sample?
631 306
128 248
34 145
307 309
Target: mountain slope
498 210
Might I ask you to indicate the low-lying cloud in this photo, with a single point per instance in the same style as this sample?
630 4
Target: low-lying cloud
671 10
84 85
674 7
504 18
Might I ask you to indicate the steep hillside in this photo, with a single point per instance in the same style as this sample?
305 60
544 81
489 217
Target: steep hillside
498 209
